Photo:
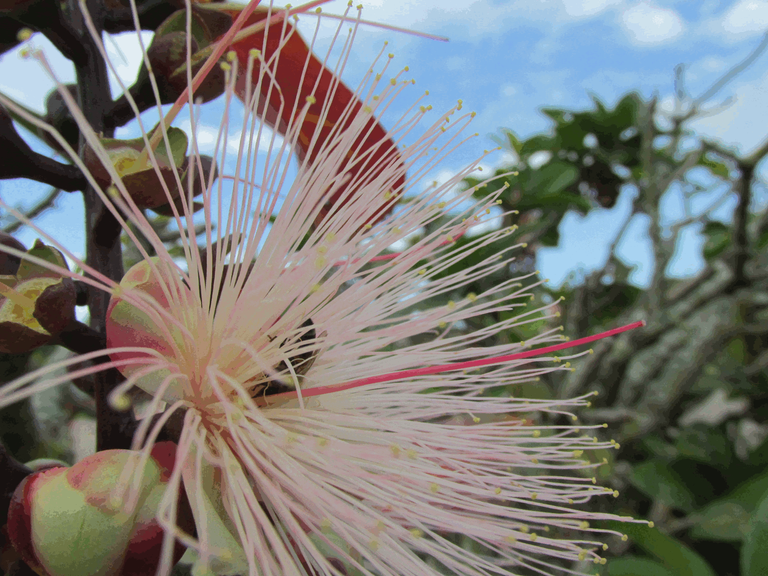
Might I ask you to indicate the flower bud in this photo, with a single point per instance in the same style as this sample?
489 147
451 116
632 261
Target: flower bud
145 183
73 522
36 303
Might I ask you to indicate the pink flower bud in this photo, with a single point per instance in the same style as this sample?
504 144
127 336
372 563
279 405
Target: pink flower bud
73 522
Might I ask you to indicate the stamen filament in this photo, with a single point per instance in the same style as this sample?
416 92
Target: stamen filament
429 370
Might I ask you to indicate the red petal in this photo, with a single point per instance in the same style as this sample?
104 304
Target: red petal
294 55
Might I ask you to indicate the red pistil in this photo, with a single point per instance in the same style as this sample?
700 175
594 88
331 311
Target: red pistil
454 366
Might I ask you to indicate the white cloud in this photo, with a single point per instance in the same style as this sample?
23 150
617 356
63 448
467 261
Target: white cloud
508 90
746 17
587 8
472 20
124 53
647 24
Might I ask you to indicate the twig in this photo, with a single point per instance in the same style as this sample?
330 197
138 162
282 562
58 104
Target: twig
732 73
35 211
740 217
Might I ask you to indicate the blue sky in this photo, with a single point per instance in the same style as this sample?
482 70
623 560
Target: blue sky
506 59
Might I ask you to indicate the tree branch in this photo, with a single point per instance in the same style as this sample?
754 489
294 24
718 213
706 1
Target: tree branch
35 211
20 161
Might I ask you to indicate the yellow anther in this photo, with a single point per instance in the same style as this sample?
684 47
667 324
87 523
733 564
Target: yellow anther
121 402
535 460
534 536
416 533
577 453
511 539
322 442
231 56
411 454
395 449
434 488
422 272
320 262
624 537
24 34
497 491
311 99
534 495
472 297
536 433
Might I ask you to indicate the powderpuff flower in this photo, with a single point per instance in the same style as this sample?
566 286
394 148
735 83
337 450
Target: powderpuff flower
334 417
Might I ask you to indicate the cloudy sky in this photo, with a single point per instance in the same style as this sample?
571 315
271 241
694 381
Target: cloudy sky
505 60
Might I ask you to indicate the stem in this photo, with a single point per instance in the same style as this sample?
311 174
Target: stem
103 250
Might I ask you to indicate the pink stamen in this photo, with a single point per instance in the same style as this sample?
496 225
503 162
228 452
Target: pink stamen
393 255
429 370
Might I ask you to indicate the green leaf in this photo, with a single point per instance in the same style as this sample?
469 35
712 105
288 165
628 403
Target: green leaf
673 554
754 552
704 444
726 519
718 238
722 522
658 481
536 143
720 169
557 114
552 178
634 566
514 142
626 112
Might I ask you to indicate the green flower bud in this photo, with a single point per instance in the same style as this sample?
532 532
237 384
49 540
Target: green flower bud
73 522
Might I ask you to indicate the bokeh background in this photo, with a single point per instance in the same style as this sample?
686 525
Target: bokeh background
638 132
